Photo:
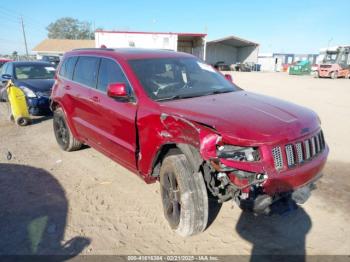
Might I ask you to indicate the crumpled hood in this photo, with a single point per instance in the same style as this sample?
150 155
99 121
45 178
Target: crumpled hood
246 116
36 85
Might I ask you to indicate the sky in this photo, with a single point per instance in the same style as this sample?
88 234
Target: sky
293 26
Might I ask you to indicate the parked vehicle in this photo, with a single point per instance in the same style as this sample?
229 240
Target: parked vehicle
35 79
4 61
54 60
300 68
335 63
221 66
243 67
171 118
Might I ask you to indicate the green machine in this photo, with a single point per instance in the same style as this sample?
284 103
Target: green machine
300 68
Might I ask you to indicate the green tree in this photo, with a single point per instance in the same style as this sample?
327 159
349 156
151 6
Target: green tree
70 28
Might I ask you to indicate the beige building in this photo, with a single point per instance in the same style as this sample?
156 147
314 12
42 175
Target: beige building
57 47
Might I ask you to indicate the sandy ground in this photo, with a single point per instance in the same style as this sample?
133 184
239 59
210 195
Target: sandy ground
82 202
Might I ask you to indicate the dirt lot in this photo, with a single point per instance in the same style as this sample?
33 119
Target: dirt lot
65 203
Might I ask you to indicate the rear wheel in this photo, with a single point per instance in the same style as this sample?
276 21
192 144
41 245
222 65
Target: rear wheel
184 196
347 76
63 135
22 121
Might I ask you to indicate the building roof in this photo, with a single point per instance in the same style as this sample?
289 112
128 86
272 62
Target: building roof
153 33
233 41
62 45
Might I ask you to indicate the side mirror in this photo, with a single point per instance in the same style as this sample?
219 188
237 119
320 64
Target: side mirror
118 90
229 77
6 77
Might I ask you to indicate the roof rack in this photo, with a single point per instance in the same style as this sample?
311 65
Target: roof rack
95 48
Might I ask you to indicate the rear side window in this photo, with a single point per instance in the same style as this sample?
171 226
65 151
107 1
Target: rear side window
86 71
110 72
67 67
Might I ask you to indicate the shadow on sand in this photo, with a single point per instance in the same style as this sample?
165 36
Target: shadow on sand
33 213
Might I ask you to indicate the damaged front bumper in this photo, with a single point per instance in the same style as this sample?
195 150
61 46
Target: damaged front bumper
256 185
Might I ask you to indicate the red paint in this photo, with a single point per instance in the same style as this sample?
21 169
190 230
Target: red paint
132 133
117 90
5 60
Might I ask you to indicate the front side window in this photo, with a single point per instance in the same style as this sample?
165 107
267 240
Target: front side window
23 72
86 71
110 72
177 78
331 58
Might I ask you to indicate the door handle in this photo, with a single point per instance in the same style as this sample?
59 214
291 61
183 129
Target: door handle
95 99
67 87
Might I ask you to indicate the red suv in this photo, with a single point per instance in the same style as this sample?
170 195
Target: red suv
168 116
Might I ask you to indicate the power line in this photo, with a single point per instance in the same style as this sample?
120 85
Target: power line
29 18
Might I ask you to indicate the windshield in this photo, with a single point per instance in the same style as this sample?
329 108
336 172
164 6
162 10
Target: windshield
330 58
177 78
23 72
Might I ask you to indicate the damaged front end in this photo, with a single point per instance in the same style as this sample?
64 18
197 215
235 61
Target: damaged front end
242 170
227 178
239 173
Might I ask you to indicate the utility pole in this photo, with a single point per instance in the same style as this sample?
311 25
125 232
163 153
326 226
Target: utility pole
24 36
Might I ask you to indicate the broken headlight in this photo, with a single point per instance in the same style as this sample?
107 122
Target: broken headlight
238 153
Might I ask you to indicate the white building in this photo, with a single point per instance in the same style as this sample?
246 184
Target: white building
182 42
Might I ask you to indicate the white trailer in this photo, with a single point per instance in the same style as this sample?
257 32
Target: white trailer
182 42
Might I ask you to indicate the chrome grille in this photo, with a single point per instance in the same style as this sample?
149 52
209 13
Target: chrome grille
299 152
290 155
318 146
313 146
307 149
277 157
322 140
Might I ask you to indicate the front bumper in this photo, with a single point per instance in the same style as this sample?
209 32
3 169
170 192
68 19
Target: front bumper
286 180
298 177
39 105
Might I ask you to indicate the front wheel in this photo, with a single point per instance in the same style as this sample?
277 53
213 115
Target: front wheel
64 136
334 75
184 196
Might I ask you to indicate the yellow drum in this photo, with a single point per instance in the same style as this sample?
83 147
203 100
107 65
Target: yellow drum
18 104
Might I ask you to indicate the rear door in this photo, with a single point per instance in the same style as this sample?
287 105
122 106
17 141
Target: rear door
114 121
83 80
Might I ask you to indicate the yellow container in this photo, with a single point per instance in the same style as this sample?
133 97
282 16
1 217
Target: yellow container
18 104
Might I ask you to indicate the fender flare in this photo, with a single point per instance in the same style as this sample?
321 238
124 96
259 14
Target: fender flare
191 153
56 104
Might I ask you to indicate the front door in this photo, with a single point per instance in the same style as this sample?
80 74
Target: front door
114 122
